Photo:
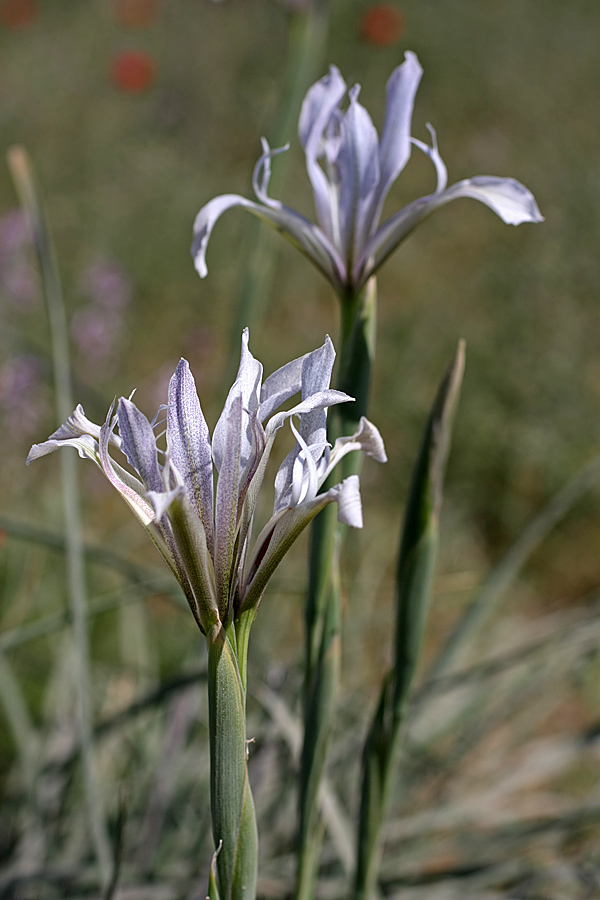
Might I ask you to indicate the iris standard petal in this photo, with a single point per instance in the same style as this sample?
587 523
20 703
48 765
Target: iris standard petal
394 147
188 444
320 104
358 172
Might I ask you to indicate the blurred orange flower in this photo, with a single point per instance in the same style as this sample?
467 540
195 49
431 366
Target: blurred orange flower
135 13
18 13
133 71
382 25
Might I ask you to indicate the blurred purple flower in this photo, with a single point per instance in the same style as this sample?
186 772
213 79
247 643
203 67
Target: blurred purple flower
107 284
98 327
95 333
22 404
14 232
17 278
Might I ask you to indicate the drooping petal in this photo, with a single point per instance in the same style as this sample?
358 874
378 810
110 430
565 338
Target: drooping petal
508 198
366 438
320 104
280 533
284 480
189 446
79 432
357 167
86 446
226 505
308 238
394 147
139 444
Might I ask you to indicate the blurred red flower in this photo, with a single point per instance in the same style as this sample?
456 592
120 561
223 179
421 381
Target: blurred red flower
18 13
133 71
135 13
382 25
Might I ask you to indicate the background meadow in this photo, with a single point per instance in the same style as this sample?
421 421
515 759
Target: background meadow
135 114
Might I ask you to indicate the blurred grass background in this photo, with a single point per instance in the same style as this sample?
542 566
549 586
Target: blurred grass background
136 114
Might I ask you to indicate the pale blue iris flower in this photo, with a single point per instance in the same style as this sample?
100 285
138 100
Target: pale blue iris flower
351 171
197 499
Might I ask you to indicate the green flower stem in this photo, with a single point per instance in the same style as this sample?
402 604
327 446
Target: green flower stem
324 599
232 806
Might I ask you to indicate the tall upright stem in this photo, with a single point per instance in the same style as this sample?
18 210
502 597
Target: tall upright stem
324 600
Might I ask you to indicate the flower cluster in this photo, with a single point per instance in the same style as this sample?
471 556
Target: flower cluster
351 172
197 499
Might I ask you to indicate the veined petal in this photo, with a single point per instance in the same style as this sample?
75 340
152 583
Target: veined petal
320 104
508 198
394 147
280 533
358 171
139 444
308 238
189 446
226 506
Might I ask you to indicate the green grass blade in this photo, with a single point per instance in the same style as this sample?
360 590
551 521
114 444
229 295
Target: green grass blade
22 173
416 561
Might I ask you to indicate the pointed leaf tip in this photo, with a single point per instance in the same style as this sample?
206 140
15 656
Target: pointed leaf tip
442 418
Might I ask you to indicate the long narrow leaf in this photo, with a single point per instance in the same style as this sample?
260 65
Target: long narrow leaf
416 563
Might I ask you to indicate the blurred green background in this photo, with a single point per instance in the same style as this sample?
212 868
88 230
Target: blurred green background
137 114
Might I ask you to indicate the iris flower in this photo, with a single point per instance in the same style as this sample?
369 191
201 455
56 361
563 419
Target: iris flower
351 172
197 499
